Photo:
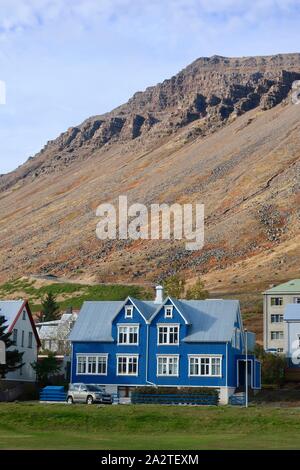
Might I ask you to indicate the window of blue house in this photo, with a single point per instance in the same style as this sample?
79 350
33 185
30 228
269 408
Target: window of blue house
205 366
168 366
167 334
127 365
92 364
169 311
128 311
128 334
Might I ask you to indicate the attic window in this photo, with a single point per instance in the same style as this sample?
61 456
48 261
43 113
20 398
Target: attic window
24 315
128 311
168 311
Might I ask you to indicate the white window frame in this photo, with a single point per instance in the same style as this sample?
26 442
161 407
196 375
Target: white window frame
276 297
127 356
210 357
168 326
87 356
169 311
280 333
128 311
168 358
296 300
278 316
127 326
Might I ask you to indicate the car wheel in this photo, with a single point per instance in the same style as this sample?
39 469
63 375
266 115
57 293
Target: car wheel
70 400
89 400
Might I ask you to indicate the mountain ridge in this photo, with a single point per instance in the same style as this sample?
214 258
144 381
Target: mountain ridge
222 131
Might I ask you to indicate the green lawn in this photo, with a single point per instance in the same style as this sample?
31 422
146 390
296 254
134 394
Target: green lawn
70 294
38 426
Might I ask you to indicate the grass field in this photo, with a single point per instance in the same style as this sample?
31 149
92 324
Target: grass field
68 294
41 426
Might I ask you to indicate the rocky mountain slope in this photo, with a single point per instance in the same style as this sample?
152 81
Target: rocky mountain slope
223 132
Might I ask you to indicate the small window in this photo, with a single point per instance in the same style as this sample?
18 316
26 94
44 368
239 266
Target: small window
296 300
275 335
24 315
168 311
30 339
15 336
128 311
276 301
22 340
276 318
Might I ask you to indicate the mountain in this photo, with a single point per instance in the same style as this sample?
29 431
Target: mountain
223 131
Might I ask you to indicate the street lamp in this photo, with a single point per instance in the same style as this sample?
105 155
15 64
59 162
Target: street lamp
246 368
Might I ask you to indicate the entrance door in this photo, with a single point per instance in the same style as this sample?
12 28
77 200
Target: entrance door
241 380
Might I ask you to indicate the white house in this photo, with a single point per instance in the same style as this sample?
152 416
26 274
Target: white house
22 328
292 334
54 334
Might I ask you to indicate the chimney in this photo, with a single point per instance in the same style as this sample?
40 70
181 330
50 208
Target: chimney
159 295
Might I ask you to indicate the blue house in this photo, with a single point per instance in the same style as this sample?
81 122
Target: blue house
165 342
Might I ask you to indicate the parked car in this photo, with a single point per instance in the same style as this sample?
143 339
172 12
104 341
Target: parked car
88 393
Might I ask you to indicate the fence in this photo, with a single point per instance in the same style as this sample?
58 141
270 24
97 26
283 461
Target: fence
172 399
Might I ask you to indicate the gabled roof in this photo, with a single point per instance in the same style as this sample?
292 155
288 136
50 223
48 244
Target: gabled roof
290 287
12 309
95 321
207 320
210 320
292 312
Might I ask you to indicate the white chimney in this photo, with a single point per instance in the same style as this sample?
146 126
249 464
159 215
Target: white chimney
159 295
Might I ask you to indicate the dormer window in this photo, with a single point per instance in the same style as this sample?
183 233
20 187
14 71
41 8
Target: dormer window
128 311
169 311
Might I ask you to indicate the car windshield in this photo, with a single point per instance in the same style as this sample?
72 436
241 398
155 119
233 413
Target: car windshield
93 388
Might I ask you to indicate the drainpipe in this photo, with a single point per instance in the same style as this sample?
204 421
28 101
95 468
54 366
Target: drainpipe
147 357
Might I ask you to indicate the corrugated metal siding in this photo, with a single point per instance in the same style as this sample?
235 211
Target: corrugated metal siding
292 312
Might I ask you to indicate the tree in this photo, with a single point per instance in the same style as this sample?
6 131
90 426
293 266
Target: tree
272 366
46 367
50 308
13 356
174 286
197 291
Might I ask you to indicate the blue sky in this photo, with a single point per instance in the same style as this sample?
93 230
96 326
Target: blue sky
65 60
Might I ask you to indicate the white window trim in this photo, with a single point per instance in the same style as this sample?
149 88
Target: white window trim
129 325
277 297
128 308
168 325
135 374
169 307
105 355
211 356
176 356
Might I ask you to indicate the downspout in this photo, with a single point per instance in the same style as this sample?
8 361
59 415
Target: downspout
147 357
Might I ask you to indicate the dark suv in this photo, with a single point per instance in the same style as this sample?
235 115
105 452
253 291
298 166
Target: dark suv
88 393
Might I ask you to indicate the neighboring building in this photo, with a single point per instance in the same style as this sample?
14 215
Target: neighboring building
163 343
54 334
21 326
275 301
292 334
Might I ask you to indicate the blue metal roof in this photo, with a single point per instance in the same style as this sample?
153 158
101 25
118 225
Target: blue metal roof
292 312
10 309
208 320
95 321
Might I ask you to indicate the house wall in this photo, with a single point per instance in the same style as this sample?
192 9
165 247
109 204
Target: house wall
148 364
270 310
292 339
26 373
